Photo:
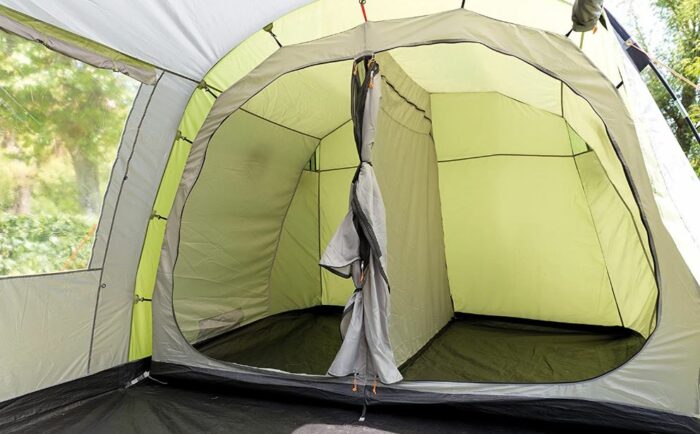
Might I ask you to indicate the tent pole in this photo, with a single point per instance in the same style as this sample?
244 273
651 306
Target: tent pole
678 102
642 60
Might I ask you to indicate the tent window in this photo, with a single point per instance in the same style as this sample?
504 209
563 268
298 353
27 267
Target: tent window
60 126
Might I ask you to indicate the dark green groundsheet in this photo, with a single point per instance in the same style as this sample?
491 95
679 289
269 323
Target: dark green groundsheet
469 348
304 342
480 349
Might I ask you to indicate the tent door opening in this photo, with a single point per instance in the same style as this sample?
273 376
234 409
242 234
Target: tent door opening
515 248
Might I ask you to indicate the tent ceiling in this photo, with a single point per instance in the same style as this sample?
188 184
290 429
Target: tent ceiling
182 36
438 69
186 38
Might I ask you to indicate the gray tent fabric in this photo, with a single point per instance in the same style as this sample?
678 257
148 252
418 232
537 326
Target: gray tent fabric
358 250
585 14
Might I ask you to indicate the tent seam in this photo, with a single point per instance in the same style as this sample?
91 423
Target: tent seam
279 237
277 123
595 228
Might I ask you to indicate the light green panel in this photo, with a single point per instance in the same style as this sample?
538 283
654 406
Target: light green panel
197 110
334 195
578 145
337 150
313 101
141 326
630 271
472 67
520 241
233 219
295 282
468 125
406 168
240 61
590 127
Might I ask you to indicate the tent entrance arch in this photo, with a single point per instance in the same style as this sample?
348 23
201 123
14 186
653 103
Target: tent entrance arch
507 214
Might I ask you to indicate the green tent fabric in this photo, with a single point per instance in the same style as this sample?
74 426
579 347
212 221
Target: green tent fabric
541 231
494 207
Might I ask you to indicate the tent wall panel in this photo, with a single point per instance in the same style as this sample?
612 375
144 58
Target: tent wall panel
520 241
295 279
406 169
557 56
197 109
113 315
337 149
477 124
670 170
334 193
630 272
232 224
482 70
45 328
588 125
241 60
126 146
140 344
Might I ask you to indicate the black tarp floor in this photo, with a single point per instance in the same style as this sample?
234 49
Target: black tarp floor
469 348
152 408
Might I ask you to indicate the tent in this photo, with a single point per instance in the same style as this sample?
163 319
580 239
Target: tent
383 202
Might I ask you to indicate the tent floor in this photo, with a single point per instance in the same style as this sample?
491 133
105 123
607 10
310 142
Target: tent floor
470 348
149 407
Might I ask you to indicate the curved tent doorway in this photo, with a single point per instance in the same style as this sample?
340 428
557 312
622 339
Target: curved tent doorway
516 251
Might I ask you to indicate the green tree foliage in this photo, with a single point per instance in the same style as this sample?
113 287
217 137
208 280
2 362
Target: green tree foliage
53 104
43 244
60 125
681 51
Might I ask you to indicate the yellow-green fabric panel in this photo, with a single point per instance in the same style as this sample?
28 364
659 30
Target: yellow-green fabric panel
295 280
479 69
141 327
600 46
520 241
631 275
196 111
405 117
398 81
140 343
337 150
232 222
314 100
476 124
328 18
578 145
590 128
406 169
332 16
240 61
334 195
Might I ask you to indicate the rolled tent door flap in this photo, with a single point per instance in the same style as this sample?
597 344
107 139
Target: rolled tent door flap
357 250
585 14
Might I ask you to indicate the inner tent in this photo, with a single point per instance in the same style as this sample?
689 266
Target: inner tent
516 250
